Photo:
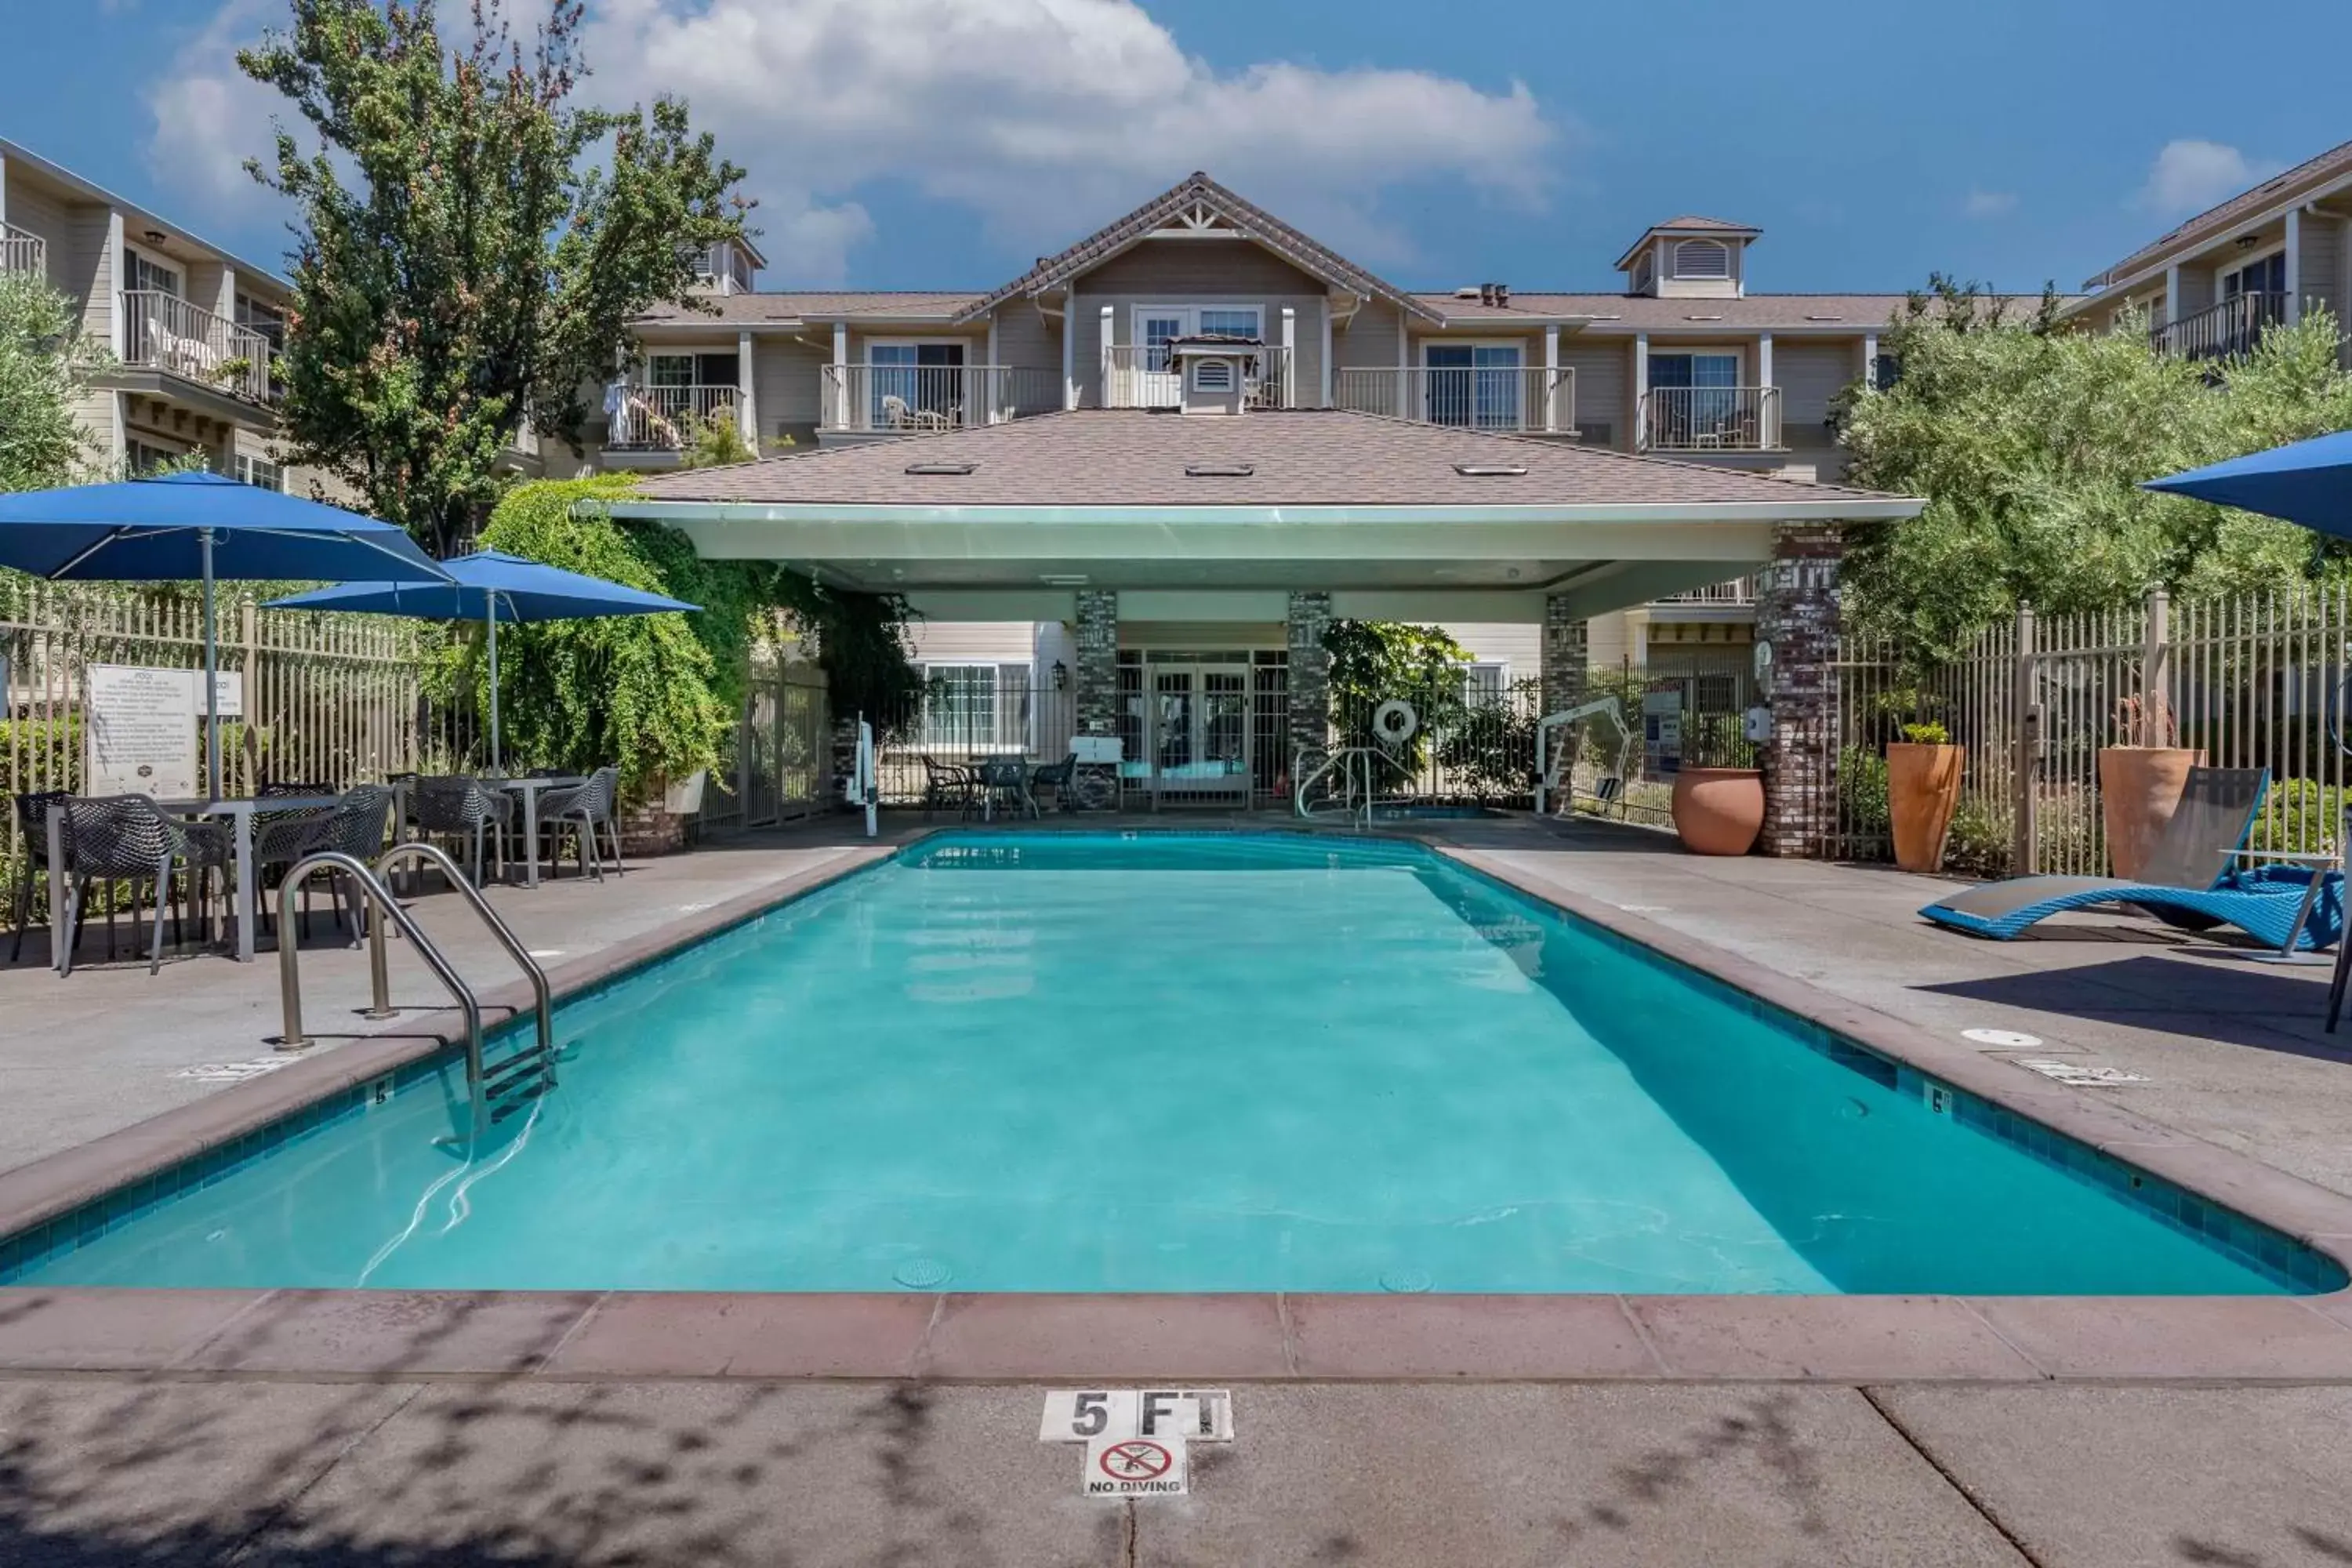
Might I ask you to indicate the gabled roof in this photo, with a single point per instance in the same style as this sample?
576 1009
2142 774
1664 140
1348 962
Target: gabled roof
1289 458
1691 225
1199 194
791 307
2215 221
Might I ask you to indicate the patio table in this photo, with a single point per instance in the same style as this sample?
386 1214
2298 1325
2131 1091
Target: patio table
244 911
1009 773
529 789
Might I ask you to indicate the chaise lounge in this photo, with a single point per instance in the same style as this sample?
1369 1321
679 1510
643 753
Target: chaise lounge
2193 877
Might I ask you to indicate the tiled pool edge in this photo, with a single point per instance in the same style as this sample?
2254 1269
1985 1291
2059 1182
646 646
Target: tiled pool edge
1841 1339
310 1091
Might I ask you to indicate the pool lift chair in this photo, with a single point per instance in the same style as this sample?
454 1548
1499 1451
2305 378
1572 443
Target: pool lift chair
1554 779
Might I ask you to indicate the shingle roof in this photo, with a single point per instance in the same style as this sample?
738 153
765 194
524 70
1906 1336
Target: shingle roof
1123 457
1687 223
2221 220
1198 190
798 305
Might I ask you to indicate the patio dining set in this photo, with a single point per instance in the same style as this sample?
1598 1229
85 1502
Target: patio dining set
188 853
978 786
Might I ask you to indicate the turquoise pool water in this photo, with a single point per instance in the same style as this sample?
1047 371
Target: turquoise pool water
1243 1062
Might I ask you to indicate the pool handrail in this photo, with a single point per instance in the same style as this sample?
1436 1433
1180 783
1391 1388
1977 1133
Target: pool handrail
379 976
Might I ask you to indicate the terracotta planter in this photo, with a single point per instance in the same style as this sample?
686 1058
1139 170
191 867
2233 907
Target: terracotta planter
1923 786
1718 811
2138 787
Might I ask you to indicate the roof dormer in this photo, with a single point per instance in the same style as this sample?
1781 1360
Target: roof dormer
729 267
1689 259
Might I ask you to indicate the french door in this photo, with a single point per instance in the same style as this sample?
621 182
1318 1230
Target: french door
1201 730
1154 379
1476 384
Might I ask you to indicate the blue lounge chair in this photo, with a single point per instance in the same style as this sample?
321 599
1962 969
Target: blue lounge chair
2193 879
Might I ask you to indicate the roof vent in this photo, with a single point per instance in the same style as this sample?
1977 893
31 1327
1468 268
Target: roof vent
941 467
1716 317
1813 316
1489 471
1474 291
1219 471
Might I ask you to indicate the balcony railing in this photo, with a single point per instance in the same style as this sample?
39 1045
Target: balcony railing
22 252
909 399
1140 375
164 331
665 418
2225 329
1489 397
1711 419
1738 591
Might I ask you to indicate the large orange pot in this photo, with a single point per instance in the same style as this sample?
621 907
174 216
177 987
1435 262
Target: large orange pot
2139 788
1718 811
1923 786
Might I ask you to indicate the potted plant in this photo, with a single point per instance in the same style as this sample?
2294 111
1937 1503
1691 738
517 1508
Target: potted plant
1923 788
2140 781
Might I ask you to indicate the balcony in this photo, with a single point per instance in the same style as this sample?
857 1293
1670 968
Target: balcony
22 252
1511 398
665 418
1711 419
163 331
2228 329
1738 591
1138 375
913 399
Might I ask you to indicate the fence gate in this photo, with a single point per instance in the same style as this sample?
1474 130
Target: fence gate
773 768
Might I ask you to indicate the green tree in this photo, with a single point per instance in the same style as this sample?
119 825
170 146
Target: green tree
472 243
45 363
2030 443
1374 661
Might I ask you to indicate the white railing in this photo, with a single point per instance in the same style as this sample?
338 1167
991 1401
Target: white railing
909 399
1485 397
1140 376
1738 591
665 418
1711 419
22 252
164 331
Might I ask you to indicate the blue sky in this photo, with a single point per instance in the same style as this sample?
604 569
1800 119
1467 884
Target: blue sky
908 143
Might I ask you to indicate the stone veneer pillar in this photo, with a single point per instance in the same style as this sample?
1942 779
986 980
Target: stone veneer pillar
1797 612
1566 654
1310 673
1098 640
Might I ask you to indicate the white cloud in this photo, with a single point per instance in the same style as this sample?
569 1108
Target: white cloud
1046 117
210 117
2190 176
1042 118
1982 204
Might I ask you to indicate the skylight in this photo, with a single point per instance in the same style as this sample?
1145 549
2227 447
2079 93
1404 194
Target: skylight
1219 471
1489 471
941 467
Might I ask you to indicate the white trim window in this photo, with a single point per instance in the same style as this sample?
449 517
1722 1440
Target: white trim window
141 274
259 472
975 708
145 458
1486 683
917 383
1476 384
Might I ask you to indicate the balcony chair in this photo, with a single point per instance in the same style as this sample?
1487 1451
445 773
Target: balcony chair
354 826
127 837
2193 879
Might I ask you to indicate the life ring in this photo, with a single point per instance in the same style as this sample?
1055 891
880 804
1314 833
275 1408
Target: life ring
1394 722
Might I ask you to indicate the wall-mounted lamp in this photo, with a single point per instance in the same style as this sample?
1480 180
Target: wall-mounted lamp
2248 241
1061 676
154 237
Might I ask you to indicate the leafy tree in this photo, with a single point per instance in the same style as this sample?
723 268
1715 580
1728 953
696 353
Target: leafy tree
45 364
463 262
1373 661
2029 442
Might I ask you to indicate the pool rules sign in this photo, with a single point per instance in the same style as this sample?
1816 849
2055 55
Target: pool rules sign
1136 1438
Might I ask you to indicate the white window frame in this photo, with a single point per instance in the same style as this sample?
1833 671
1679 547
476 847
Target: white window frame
2240 263
243 464
162 263
1529 418
1666 348
1192 315
1472 692
1731 260
970 739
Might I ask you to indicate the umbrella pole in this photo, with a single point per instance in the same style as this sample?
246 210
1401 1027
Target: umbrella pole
212 675
492 602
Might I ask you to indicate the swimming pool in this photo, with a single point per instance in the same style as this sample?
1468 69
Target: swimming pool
1183 1062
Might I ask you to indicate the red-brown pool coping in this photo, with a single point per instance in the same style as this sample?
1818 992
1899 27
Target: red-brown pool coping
1228 1338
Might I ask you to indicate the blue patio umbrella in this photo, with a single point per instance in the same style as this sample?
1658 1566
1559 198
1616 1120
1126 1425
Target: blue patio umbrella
178 527
490 587
2308 482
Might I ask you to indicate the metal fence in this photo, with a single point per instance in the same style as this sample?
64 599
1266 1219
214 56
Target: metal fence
774 766
2252 681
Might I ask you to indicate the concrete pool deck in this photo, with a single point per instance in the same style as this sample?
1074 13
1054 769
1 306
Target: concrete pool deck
1372 1429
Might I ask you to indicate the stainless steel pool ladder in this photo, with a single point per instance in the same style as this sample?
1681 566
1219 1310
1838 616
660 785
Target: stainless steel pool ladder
1353 764
531 1071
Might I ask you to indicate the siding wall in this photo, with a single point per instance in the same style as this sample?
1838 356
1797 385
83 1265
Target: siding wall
1026 339
1369 340
1518 645
973 642
37 212
786 386
2320 267
1604 387
1176 272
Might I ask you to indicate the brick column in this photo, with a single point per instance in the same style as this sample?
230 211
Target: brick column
1098 640
1310 673
1567 653
1797 612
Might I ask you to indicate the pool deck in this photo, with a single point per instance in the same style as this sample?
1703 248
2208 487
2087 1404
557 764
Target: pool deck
345 1427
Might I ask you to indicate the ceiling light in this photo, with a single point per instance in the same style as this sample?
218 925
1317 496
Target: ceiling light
154 237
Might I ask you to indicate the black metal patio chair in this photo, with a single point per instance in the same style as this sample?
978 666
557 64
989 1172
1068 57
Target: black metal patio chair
946 786
465 810
33 825
127 839
582 810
